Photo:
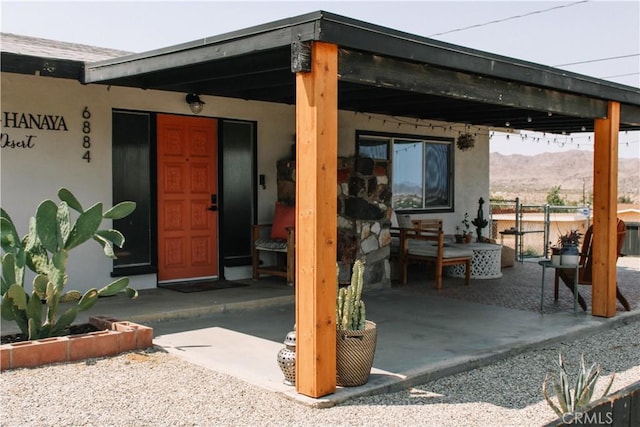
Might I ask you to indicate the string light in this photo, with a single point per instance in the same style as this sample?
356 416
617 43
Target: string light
417 123
576 141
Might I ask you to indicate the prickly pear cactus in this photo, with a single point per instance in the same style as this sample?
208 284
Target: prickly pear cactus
350 309
45 251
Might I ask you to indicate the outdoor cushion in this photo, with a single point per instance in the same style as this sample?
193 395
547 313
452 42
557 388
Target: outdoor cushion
428 248
275 245
283 218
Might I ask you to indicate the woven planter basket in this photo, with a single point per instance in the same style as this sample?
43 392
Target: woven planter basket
354 352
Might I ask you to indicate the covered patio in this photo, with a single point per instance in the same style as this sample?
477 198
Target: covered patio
424 334
323 63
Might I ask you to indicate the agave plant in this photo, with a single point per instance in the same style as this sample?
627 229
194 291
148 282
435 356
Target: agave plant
572 401
45 251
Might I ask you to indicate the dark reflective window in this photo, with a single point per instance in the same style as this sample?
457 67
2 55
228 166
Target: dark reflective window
422 177
132 181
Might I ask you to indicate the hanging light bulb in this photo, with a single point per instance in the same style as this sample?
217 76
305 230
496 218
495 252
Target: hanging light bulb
507 124
529 119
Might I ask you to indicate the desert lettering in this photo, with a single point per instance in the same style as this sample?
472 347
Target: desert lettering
27 142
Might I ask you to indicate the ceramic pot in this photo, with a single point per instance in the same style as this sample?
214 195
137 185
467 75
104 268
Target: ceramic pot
570 255
287 359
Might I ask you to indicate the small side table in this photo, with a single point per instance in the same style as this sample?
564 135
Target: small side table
485 263
545 263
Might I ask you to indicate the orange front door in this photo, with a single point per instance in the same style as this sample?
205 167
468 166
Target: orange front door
187 198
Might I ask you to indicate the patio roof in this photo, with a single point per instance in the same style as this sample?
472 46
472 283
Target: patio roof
380 70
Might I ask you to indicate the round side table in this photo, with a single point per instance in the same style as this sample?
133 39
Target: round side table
485 263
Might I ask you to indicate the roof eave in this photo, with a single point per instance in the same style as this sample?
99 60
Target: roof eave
359 35
261 37
36 65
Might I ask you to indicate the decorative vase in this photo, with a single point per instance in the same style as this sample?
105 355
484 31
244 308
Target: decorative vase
354 354
287 359
570 255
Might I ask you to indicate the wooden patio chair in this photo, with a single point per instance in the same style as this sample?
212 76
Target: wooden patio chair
424 243
585 272
277 238
399 222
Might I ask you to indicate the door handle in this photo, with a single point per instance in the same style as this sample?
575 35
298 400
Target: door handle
212 208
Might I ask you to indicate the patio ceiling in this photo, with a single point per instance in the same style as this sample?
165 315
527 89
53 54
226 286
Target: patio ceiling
381 71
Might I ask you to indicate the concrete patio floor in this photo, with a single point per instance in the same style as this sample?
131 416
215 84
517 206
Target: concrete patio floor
423 334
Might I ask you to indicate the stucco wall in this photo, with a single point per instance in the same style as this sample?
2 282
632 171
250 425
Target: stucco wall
29 175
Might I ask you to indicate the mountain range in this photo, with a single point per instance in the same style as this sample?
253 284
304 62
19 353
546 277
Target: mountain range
532 177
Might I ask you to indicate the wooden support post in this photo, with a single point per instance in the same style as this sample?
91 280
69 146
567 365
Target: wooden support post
605 201
316 222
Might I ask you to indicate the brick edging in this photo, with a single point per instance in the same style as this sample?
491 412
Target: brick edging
114 337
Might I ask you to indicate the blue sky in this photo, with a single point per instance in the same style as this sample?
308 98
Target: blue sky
599 38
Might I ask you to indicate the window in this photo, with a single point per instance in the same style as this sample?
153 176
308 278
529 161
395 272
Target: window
132 181
422 174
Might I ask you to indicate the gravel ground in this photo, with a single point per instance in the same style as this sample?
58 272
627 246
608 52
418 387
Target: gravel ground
153 388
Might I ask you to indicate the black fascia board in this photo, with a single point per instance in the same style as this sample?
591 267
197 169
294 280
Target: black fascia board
359 35
242 42
36 65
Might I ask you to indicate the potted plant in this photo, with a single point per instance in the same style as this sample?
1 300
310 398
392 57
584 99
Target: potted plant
45 250
466 235
569 247
355 336
465 142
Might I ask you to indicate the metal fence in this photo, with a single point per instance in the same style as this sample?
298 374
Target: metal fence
532 229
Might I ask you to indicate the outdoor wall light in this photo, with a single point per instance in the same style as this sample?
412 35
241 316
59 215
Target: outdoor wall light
195 103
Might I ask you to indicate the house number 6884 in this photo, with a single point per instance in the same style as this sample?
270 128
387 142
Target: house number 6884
86 130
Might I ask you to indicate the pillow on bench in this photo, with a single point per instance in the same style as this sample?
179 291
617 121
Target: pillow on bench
283 218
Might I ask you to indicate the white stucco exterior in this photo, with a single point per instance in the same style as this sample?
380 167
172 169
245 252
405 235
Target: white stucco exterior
55 159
